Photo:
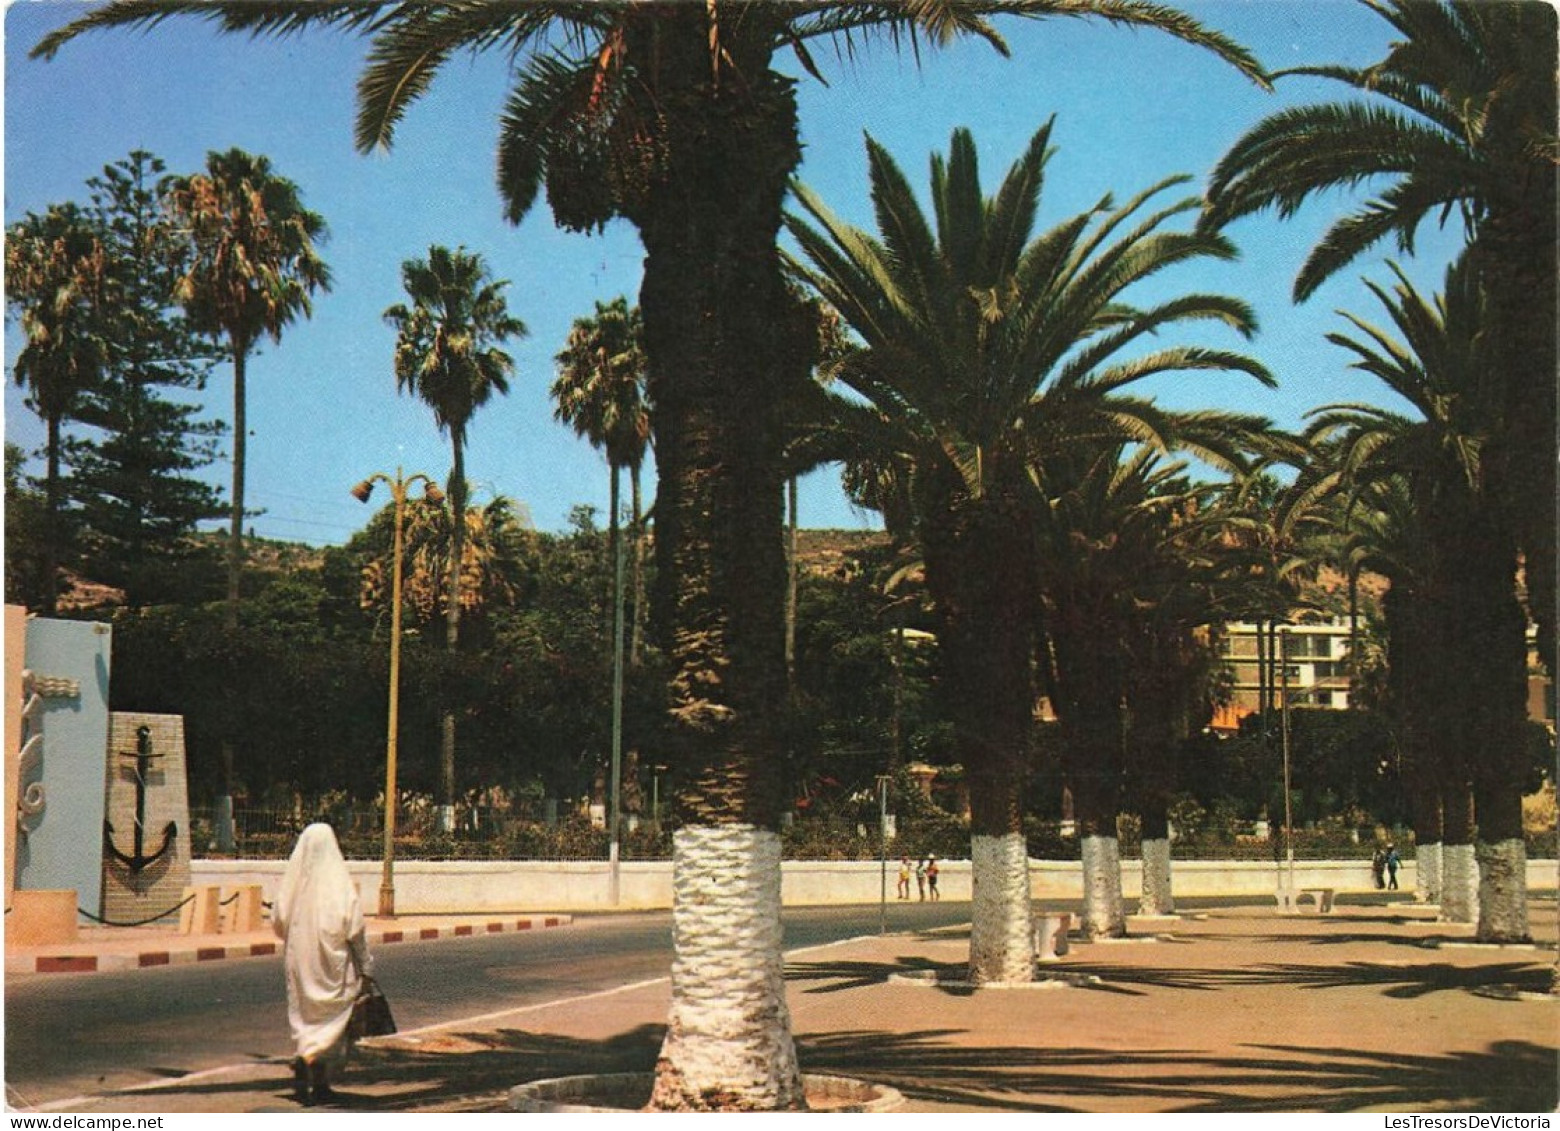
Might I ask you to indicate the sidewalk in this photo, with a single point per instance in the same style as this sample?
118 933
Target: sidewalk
1372 1008
131 948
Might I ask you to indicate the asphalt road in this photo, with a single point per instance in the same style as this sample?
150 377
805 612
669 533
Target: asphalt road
69 1035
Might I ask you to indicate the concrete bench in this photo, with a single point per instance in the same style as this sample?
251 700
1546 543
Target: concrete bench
1051 935
1289 899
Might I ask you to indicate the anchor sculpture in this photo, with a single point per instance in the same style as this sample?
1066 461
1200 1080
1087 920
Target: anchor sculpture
137 861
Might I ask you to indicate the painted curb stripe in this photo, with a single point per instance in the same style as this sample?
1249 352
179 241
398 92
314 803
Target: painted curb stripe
91 963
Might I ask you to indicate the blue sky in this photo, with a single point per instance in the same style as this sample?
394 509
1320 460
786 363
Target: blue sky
1131 106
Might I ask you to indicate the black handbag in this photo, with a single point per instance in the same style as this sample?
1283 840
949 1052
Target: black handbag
371 1016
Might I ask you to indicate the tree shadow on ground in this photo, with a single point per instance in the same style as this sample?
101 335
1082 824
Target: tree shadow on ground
1416 942
471 1072
1508 1076
1406 981
843 975
448 1071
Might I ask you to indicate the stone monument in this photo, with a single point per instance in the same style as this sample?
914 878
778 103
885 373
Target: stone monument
146 858
56 795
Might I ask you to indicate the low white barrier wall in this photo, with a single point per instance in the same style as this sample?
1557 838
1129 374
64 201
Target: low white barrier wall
425 886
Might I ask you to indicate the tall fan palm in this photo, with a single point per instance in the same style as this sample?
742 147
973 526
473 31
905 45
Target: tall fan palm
1437 360
987 352
1469 125
600 392
675 117
54 267
252 272
447 353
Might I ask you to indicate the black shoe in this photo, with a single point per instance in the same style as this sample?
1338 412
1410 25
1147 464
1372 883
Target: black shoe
301 1081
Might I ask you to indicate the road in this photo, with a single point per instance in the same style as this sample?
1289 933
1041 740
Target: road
69 1035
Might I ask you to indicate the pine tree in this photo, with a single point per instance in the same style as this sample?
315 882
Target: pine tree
133 476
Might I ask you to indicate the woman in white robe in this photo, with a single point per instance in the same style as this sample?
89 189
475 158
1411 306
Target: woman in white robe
325 956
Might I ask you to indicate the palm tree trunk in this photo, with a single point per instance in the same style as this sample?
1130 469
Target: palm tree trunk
1494 632
790 584
1426 804
240 454
226 839
457 495
1515 254
979 573
721 350
1158 727
1089 713
1459 871
1415 696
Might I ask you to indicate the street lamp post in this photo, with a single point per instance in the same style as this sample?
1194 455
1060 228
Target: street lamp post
361 492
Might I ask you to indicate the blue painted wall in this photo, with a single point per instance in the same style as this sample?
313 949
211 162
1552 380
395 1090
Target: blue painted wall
65 847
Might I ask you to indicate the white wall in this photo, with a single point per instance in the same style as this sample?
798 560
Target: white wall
423 886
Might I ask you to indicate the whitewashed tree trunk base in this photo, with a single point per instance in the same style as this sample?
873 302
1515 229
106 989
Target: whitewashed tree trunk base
728 1041
1103 913
1427 872
1503 914
1158 898
1459 884
1002 941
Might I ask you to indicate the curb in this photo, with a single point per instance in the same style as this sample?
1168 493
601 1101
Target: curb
78 959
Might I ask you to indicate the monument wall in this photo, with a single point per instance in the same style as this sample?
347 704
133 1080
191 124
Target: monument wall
61 780
145 874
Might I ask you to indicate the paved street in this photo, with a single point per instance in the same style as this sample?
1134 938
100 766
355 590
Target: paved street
1233 1008
69 1034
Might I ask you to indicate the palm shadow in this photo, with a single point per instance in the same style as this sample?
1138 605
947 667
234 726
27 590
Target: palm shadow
474 1072
1507 1076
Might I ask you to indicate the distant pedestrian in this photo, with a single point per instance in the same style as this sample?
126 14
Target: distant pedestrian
931 877
1378 867
324 956
1393 862
920 879
904 877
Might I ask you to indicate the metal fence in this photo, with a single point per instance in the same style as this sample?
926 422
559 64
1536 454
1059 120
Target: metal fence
484 834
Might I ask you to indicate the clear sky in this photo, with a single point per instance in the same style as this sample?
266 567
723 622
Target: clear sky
1131 106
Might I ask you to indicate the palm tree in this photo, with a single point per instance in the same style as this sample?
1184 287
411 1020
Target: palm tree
600 392
489 563
1127 567
1468 126
447 352
1387 536
676 118
253 267
987 354
1437 360
55 269
252 270
1182 579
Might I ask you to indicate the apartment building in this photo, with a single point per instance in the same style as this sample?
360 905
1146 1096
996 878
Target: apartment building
1309 662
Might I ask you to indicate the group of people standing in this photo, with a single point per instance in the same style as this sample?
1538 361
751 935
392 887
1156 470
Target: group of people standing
925 871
